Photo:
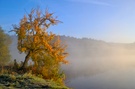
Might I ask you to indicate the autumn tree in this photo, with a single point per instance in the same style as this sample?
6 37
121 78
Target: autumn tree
4 47
42 47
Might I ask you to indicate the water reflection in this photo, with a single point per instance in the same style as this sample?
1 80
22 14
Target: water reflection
114 79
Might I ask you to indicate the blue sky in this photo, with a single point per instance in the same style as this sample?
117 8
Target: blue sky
108 20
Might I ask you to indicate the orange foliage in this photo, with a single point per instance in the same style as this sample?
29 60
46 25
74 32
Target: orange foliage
42 47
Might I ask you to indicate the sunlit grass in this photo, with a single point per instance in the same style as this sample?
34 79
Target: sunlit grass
27 80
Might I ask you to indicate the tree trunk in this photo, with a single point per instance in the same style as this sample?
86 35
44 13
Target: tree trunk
26 61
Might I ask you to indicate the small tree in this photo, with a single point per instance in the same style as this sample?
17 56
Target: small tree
4 48
42 47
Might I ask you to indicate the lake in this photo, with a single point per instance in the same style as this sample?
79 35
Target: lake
113 79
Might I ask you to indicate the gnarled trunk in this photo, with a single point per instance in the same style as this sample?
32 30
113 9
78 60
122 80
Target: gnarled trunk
25 61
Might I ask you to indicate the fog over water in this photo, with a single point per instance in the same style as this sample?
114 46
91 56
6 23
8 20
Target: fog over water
113 79
95 64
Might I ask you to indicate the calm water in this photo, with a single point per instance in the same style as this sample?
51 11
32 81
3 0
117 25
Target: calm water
114 79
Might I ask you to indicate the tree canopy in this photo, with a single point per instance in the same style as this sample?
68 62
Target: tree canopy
43 47
4 47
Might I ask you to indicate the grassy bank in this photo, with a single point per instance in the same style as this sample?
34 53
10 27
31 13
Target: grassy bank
27 81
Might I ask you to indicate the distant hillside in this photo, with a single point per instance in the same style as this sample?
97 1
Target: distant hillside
89 56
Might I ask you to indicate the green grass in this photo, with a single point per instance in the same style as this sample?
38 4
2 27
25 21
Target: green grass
27 81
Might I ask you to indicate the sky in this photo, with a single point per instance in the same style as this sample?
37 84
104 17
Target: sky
108 20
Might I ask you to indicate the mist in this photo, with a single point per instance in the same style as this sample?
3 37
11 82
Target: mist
95 64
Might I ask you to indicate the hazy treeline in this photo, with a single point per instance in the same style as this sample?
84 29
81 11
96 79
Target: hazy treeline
89 57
